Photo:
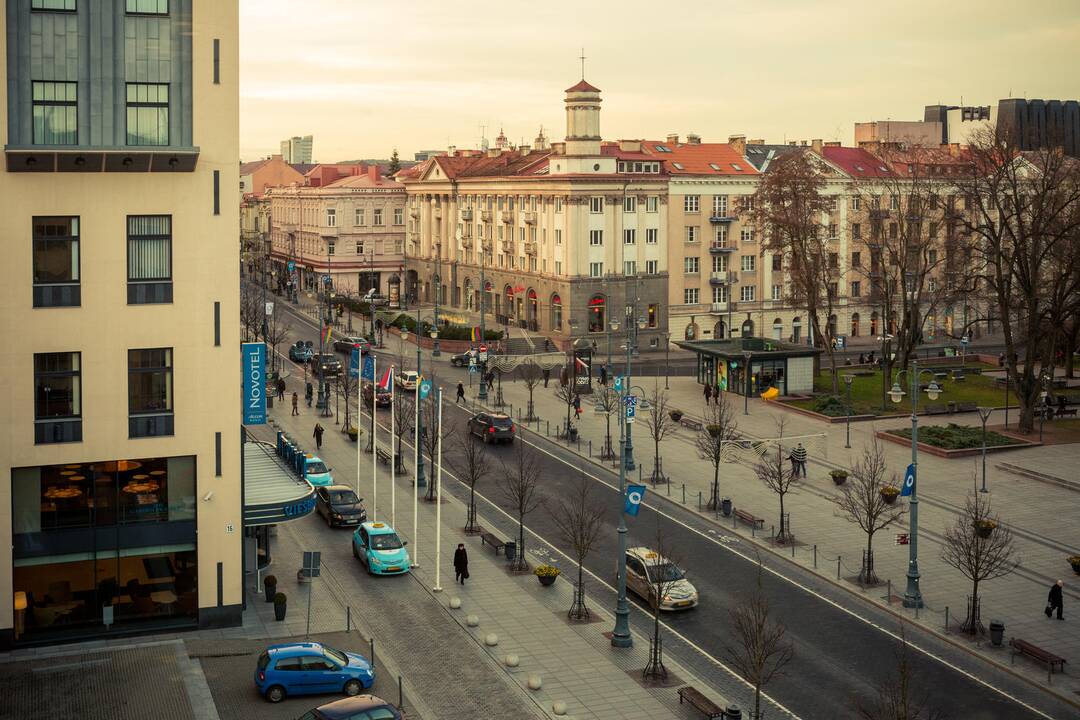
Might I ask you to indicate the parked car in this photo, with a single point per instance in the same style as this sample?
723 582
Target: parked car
645 566
382 398
361 707
317 472
329 363
300 351
492 427
347 343
462 359
339 505
305 668
409 379
380 549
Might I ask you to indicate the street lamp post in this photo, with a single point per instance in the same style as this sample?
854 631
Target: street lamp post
631 343
667 360
420 481
913 595
747 355
483 293
438 291
847 381
984 415
620 636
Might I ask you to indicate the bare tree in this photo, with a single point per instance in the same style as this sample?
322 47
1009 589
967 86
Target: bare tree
579 518
759 649
404 418
788 210
897 695
530 374
659 424
719 428
1020 208
519 482
609 402
665 577
252 311
777 475
429 439
981 548
346 386
278 327
566 393
862 501
472 464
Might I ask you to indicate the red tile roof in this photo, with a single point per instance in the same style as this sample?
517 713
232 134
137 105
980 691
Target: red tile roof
362 181
698 159
856 162
250 167
582 87
503 165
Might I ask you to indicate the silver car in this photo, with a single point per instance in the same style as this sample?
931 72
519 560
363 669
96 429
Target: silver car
648 573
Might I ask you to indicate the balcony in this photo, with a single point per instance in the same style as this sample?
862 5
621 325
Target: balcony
508 247
530 218
485 216
530 248
720 278
150 425
414 213
719 307
466 214
880 214
716 249
721 218
93 159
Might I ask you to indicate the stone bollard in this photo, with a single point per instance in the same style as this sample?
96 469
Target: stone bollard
512 660
455 603
491 639
472 621
535 683
558 707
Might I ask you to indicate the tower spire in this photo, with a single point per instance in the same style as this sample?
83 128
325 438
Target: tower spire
582 58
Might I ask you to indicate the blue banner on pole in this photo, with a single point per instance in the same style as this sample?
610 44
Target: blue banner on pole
635 494
909 481
369 368
425 389
354 363
254 368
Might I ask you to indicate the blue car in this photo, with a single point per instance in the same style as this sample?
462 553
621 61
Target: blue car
309 667
380 549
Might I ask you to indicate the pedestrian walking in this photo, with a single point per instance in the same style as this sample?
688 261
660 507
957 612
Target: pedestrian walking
862 358
547 376
280 390
295 404
318 436
798 461
603 374
577 404
708 393
460 393
491 379
716 393
308 392
461 564
1054 600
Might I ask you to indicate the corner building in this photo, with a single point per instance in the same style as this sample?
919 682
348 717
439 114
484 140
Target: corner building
120 419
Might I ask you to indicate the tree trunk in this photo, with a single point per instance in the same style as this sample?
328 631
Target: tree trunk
714 501
780 537
871 576
519 561
973 627
757 701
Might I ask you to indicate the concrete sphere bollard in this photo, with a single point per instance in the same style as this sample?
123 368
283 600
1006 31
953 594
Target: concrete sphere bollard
491 639
455 603
534 682
558 707
512 661
472 621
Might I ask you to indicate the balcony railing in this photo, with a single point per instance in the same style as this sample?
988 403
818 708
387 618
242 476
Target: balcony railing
485 216
156 425
719 278
530 248
717 249
507 216
530 218
57 430
719 307
466 214
721 218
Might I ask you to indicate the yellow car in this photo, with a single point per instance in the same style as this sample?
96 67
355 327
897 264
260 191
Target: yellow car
647 572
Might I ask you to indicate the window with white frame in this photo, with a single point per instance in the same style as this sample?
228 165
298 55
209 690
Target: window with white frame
719 263
691 264
652 236
746 293
596 237
652 267
399 216
777 292
331 217
629 267
691 203
558 267
748 263
629 204
691 233
719 205
719 294
690 296
747 203
596 204
377 216
854 202
629 236
720 238
558 236
596 269
358 217
331 246
652 203
558 204
746 235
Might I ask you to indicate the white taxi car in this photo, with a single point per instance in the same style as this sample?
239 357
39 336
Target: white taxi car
646 571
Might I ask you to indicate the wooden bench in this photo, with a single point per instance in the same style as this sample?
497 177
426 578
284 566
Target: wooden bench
1067 411
937 410
383 455
749 518
699 702
491 539
1023 647
688 422
966 407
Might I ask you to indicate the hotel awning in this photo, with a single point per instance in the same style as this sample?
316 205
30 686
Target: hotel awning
272 492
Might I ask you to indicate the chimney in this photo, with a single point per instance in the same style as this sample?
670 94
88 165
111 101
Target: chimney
693 139
804 143
833 143
558 148
673 138
757 141
373 173
738 143
630 145
816 146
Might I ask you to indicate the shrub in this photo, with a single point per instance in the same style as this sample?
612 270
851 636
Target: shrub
956 437
830 405
546 571
270 580
279 599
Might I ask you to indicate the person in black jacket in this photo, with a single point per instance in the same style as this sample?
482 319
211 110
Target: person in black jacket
461 564
1054 600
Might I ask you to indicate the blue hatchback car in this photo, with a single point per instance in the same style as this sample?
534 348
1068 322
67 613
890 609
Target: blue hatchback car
377 546
308 668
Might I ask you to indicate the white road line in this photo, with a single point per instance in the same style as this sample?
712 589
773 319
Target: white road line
806 589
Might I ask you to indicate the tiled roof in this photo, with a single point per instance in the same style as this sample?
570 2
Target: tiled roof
362 181
250 167
856 162
582 87
303 168
503 165
761 156
698 159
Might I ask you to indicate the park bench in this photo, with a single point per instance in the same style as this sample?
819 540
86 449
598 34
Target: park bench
699 702
488 538
383 455
1067 411
688 422
1023 647
749 518
966 407
937 410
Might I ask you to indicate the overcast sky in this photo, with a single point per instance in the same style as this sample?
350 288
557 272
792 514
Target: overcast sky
366 76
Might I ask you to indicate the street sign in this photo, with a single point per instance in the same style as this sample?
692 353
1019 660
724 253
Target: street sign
630 412
269 309
474 369
964 340
902 539
472 361
483 353
630 400
292 266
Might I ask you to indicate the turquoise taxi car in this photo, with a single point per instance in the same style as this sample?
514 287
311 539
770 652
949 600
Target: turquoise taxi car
380 549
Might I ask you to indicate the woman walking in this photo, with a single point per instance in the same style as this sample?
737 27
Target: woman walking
461 564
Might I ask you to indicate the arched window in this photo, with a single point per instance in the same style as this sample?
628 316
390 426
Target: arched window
718 330
796 330
777 329
597 313
874 323
556 312
508 306
854 324
748 329
533 304
691 331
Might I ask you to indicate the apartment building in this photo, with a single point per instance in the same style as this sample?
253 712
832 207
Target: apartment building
120 419
297 149
559 240
350 227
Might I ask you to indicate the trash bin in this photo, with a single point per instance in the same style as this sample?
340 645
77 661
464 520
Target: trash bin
511 550
725 506
573 433
732 713
997 632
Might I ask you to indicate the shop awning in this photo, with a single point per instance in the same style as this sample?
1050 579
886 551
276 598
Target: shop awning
272 492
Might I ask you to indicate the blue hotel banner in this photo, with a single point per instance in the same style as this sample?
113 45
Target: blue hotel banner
254 361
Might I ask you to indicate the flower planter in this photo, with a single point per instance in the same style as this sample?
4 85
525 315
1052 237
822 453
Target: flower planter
546 580
839 476
676 415
889 494
546 574
1074 561
354 434
279 607
270 587
984 529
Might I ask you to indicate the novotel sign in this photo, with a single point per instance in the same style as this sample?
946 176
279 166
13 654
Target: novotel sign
254 368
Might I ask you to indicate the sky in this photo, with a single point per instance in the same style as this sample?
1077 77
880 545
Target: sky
367 76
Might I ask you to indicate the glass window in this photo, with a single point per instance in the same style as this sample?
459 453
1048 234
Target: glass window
291 664
52 5
746 293
380 714
597 309
399 216
56 250
149 247
653 315
596 237
376 216
652 202
596 269
148 7
331 217
691 264
359 216
690 296
150 381
748 263
652 267
691 233
691 203
147 114
629 267
629 204
56 113
596 204
629 236
651 236
57 385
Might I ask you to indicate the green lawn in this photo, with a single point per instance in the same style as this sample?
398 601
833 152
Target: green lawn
866 393
956 437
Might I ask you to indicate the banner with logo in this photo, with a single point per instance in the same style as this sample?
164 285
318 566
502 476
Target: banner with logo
253 357
635 494
909 481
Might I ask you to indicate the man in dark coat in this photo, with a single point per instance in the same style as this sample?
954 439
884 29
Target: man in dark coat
461 564
708 393
318 435
1054 601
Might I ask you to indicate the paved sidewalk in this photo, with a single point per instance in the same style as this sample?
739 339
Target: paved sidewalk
1044 534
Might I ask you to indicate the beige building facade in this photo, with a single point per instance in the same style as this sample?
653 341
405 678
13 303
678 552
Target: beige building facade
120 418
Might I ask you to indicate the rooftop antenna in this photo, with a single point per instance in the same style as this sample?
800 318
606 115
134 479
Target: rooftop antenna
483 132
582 58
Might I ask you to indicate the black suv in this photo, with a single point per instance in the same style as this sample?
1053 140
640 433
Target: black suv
340 506
329 363
492 427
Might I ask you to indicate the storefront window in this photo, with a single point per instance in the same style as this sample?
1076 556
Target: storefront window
597 307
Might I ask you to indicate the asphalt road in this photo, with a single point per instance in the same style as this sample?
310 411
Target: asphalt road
840 654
